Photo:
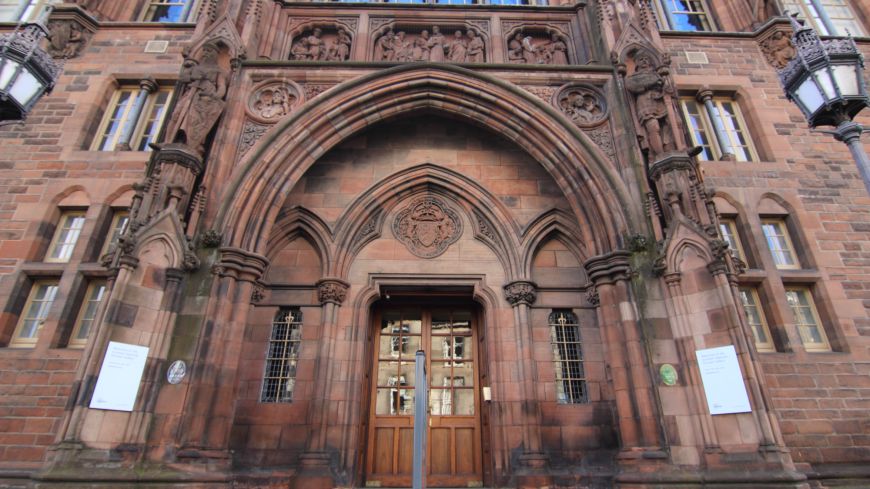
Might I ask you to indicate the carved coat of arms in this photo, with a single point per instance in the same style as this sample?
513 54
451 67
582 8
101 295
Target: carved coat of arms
427 227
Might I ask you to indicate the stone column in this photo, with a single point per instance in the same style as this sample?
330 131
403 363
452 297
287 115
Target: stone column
705 96
626 358
210 405
521 295
316 472
146 87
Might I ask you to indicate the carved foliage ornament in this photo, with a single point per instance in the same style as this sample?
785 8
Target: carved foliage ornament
520 292
427 227
331 290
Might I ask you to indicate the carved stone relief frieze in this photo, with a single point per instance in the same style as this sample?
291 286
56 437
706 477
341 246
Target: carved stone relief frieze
777 47
66 38
536 43
312 90
542 92
322 43
427 227
437 43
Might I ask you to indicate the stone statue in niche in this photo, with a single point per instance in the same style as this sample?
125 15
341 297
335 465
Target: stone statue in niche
65 39
427 227
648 88
582 106
319 47
778 49
528 49
273 102
403 46
204 86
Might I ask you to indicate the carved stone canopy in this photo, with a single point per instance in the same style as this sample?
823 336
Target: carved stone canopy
427 227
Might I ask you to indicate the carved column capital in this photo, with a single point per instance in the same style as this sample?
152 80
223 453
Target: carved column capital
148 84
521 292
704 94
332 290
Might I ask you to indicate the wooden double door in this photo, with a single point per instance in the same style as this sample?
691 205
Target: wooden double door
449 338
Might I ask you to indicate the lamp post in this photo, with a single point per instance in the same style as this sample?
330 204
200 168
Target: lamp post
825 80
27 72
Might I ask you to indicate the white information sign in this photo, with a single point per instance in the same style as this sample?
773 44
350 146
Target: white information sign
723 381
119 378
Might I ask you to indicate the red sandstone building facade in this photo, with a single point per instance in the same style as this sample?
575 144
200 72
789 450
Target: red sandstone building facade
277 203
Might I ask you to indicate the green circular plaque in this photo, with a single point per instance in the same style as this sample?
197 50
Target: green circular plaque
668 374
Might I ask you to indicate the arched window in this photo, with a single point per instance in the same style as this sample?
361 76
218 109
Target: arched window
282 356
567 357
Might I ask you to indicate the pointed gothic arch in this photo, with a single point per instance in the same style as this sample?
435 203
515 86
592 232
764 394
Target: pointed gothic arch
601 201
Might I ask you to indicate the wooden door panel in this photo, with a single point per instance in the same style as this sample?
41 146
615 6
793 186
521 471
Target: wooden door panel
465 451
383 452
454 447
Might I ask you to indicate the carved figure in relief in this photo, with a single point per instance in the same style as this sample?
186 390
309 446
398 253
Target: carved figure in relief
421 47
556 51
299 50
65 39
274 103
582 107
384 47
402 49
515 48
457 48
648 88
476 48
530 52
315 45
342 46
202 100
779 49
436 45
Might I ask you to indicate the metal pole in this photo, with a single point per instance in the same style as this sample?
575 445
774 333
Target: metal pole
824 18
850 133
421 420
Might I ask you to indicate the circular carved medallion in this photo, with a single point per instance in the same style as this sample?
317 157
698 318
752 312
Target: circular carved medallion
427 227
583 104
273 101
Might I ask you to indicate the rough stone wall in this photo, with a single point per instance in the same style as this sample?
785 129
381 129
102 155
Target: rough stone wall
821 397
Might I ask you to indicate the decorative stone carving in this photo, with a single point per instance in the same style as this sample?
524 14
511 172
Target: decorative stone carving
210 239
251 133
603 138
332 290
273 100
258 294
370 228
544 93
66 38
483 227
427 227
536 49
778 49
314 89
315 45
592 296
583 104
204 86
521 292
651 94
403 46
